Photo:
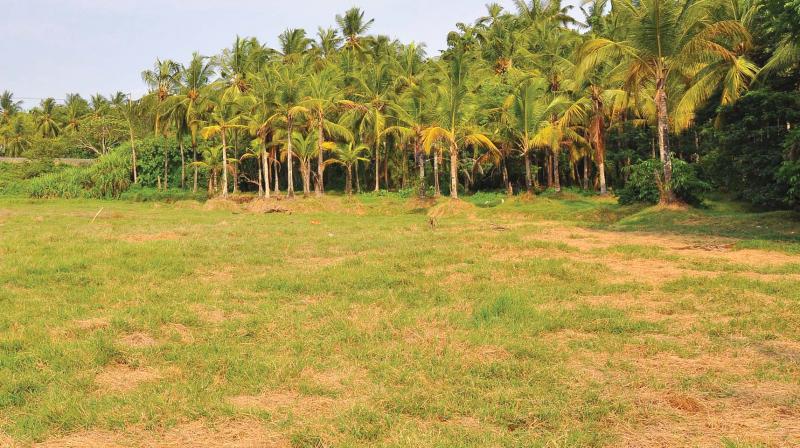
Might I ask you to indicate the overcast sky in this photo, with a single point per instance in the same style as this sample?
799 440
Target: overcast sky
54 47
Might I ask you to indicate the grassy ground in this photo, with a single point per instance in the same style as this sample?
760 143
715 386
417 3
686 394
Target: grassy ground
378 321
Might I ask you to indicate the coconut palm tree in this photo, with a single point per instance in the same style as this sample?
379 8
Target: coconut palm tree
353 26
45 118
412 113
665 43
294 43
367 115
529 109
188 105
305 148
225 116
288 85
323 94
454 128
212 161
162 80
8 107
348 155
75 108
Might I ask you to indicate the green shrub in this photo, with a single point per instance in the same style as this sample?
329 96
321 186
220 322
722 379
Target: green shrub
108 177
139 193
67 183
14 176
642 186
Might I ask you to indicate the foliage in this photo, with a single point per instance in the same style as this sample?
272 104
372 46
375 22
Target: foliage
106 178
643 183
749 147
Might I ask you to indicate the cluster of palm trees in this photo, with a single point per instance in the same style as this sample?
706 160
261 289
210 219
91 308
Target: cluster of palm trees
526 86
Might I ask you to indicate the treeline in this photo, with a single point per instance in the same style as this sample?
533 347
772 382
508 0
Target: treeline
659 100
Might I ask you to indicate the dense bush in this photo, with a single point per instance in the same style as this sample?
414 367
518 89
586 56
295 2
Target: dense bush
750 147
14 176
642 185
139 193
67 183
150 153
108 177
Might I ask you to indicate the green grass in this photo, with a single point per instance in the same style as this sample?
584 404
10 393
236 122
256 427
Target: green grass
462 334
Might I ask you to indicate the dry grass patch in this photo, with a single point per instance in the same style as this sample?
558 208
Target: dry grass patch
146 237
227 434
289 402
95 323
215 315
138 339
124 378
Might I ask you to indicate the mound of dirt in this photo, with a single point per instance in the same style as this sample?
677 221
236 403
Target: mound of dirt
220 204
266 206
451 207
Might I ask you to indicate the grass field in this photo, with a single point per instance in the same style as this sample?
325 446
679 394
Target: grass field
378 321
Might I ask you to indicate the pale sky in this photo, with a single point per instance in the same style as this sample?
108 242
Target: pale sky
54 47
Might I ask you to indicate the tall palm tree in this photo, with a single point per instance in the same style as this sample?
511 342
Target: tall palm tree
190 102
75 108
224 117
287 110
8 107
412 114
367 115
45 118
294 43
454 124
348 155
528 106
353 26
323 94
667 42
305 148
162 80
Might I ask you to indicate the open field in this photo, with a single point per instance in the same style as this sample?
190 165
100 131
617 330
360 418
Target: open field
380 321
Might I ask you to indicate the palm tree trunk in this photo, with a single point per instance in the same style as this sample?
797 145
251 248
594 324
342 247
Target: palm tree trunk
166 168
275 175
453 171
133 157
224 165
386 167
265 163
320 187
506 182
549 162
348 185
183 165
437 190
556 174
377 168
421 163
306 173
358 182
194 158
289 162
662 114
586 173
528 180
235 166
260 184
